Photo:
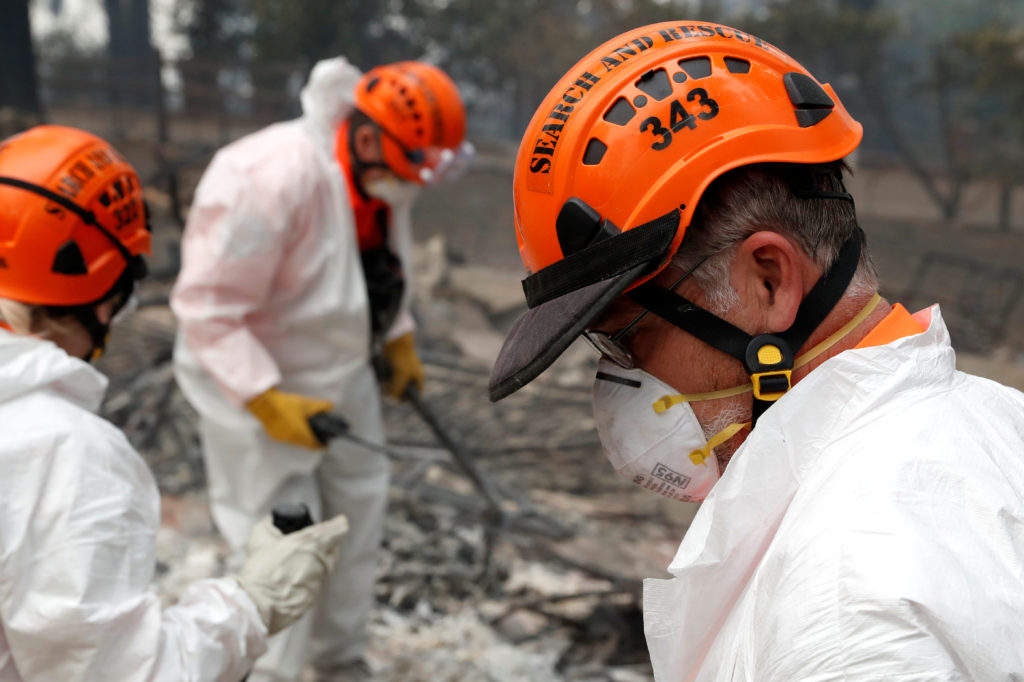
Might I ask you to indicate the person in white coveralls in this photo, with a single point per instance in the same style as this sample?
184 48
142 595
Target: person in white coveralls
680 203
79 509
294 264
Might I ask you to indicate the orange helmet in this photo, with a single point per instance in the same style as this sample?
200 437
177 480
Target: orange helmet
616 158
72 220
418 108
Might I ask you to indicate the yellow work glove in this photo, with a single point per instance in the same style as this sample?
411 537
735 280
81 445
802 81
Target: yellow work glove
404 364
285 416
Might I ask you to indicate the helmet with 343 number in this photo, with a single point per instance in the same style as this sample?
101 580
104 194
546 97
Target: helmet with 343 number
616 158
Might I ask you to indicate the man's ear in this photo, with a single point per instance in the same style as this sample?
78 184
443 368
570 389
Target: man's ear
771 274
366 143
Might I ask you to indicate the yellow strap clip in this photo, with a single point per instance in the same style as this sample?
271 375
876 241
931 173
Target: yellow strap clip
771 393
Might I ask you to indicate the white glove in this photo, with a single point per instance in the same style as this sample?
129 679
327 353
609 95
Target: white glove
284 573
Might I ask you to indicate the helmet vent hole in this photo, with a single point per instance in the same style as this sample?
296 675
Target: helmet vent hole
655 83
679 77
811 101
69 260
737 65
372 84
696 67
620 113
594 152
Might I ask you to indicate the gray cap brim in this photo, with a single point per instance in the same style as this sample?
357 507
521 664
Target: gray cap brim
543 333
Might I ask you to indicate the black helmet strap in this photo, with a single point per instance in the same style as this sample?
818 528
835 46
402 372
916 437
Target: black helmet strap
767 358
135 268
87 216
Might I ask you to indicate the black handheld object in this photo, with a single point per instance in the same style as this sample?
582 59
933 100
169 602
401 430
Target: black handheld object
289 517
327 426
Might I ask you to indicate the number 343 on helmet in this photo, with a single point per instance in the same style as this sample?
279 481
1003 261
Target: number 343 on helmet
616 158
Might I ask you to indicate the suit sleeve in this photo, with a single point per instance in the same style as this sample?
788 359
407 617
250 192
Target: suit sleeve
77 561
232 248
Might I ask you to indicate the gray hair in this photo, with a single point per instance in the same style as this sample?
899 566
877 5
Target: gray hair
771 196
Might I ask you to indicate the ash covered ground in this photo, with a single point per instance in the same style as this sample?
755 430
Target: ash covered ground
547 588
551 590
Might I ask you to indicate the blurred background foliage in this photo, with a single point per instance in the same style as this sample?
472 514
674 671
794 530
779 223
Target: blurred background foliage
936 82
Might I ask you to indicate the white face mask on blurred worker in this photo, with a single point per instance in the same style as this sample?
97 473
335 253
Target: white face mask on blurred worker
652 439
391 190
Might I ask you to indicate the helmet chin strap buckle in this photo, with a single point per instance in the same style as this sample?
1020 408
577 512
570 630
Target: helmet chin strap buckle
769 361
767 358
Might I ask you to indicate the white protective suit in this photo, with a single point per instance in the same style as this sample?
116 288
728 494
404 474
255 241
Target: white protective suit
271 293
871 527
79 512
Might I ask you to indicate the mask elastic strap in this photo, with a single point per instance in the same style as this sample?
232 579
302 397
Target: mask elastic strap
668 401
768 358
700 455
832 340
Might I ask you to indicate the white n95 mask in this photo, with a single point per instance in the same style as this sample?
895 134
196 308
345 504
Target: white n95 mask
664 451
660 446
392 191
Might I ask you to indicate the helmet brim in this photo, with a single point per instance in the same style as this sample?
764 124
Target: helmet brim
541 334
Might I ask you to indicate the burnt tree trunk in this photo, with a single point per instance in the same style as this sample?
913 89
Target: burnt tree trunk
19 85
131 53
